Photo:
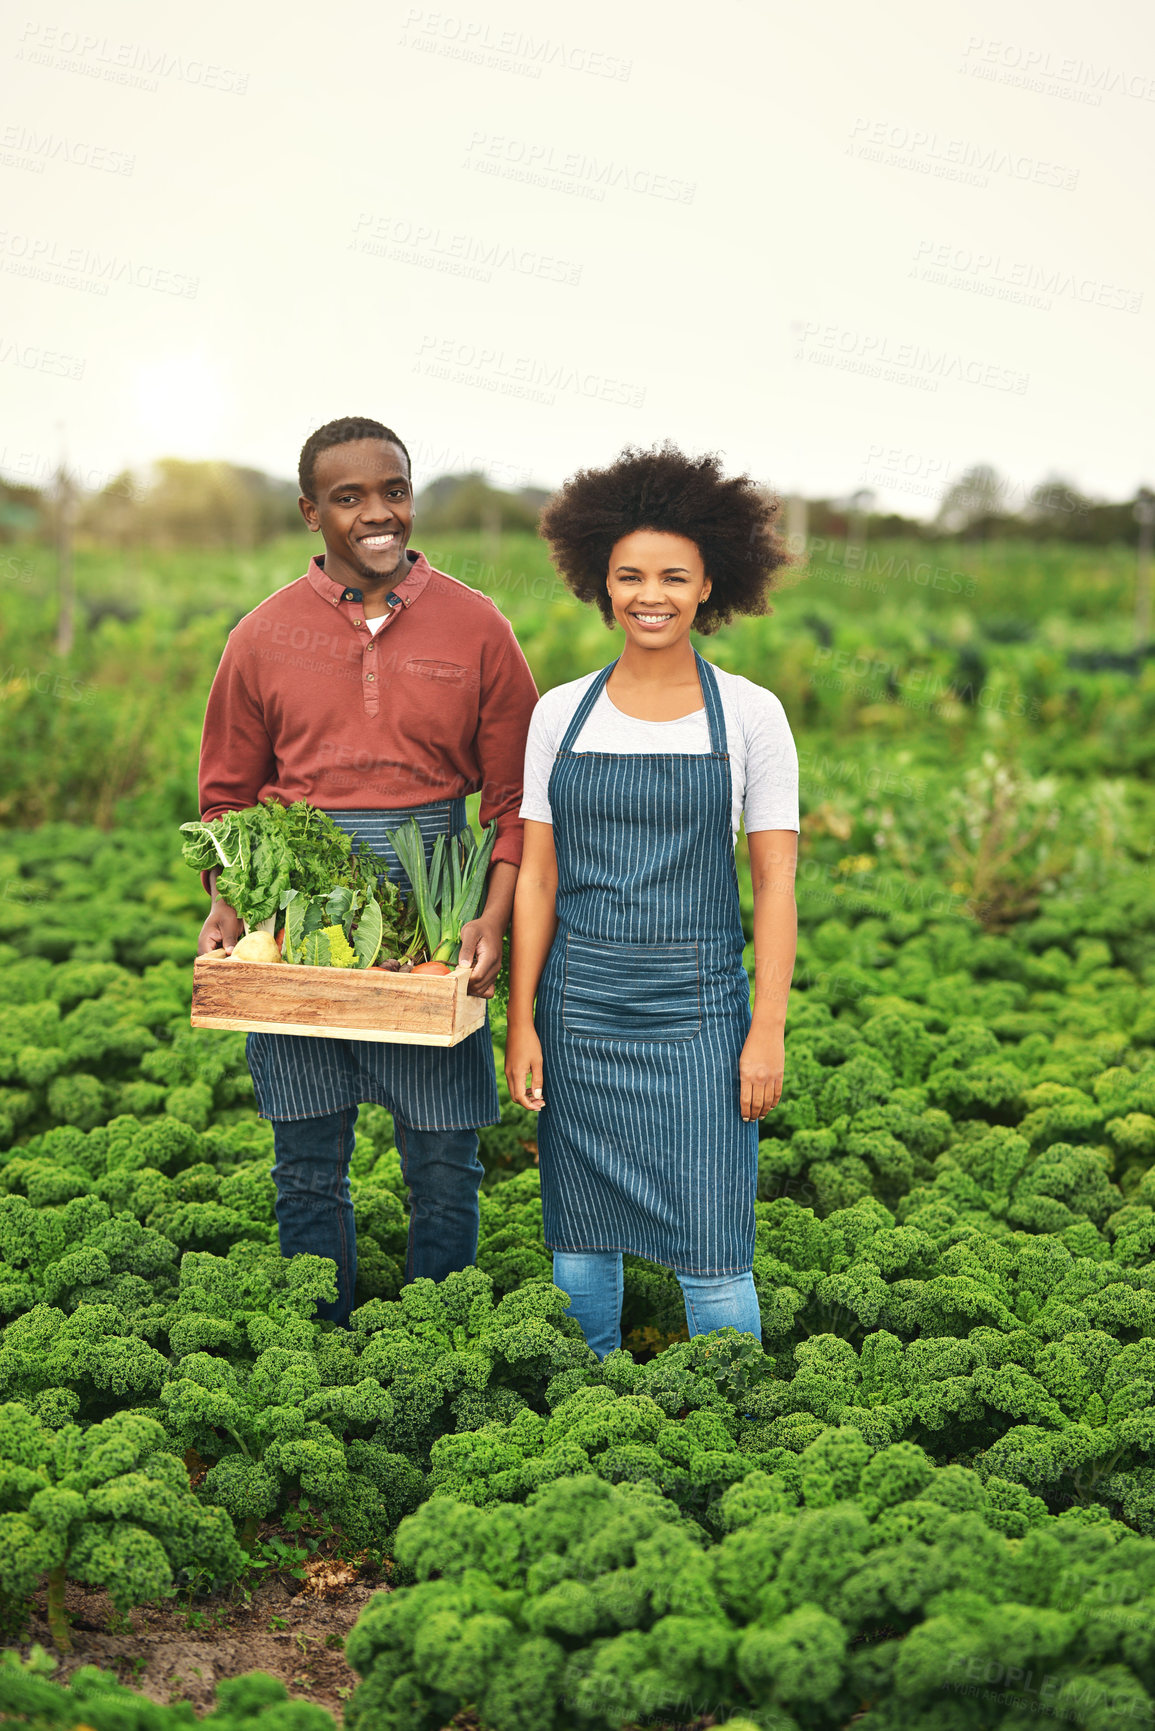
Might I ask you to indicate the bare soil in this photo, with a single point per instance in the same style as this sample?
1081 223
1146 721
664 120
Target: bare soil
293 1630
181 1655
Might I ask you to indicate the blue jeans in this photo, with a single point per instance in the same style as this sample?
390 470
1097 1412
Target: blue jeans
315 1210
593 1280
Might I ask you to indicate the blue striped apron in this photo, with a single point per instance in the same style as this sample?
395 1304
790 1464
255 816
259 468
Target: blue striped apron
644 1006
426 1087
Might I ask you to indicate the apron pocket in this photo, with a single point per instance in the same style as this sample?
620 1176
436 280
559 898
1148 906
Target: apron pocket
630 992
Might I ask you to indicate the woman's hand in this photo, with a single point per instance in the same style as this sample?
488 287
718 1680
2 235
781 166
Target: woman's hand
760 1071
523 1066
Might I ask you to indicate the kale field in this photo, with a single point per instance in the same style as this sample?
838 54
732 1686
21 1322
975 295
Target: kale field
925 1501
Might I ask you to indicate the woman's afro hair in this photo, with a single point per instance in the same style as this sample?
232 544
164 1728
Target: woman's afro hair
730 521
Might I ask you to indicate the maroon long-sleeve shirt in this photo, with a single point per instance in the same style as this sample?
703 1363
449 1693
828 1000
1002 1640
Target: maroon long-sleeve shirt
308 704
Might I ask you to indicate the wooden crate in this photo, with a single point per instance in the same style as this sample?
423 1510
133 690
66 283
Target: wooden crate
334 1003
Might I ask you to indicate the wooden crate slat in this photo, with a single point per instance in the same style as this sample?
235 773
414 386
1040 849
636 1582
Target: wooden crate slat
334 1003
393 1038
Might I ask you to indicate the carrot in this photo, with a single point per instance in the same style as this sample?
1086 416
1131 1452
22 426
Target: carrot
281 940
432 968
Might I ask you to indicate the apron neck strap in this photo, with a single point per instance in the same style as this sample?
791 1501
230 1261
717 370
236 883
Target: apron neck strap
715 715
710 695
582 712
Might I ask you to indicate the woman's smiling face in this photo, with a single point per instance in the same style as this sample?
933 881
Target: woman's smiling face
656 582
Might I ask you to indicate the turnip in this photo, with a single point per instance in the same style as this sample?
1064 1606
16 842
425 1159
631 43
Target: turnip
256 947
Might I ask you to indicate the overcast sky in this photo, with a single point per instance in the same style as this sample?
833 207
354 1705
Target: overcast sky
846 246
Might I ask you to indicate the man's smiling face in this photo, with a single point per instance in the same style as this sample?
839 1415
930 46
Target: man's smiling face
363 507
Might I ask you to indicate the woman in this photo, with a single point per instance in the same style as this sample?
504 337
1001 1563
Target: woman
643 1059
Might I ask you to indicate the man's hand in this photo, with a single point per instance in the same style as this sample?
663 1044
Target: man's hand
221 930
481 946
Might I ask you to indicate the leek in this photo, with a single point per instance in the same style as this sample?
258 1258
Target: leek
447 891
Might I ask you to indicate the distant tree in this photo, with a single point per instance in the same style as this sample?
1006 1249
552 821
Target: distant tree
21 510
533 498
110 516
437 495
1056 507
827 519
1106 524
893 526
977 496
455 502
182 504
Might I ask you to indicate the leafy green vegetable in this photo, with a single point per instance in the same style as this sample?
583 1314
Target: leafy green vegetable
303 915
846 1574
447 892
341 951
367 935
108 1505
295 858
342 905
254 857
30 1696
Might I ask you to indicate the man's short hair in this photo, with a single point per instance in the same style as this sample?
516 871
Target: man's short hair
346 431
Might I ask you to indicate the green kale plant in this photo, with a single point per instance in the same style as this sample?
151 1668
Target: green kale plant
851 1575
106 1505
30 1697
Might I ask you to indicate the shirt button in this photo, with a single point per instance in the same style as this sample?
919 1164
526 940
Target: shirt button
348 595
369 676
360 624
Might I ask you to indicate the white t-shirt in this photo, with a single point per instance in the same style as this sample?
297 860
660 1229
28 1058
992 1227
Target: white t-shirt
376 624
763 758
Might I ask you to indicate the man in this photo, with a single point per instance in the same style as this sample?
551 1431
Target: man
376 688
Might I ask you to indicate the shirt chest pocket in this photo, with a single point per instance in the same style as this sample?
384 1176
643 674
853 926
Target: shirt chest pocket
634 992
446 674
